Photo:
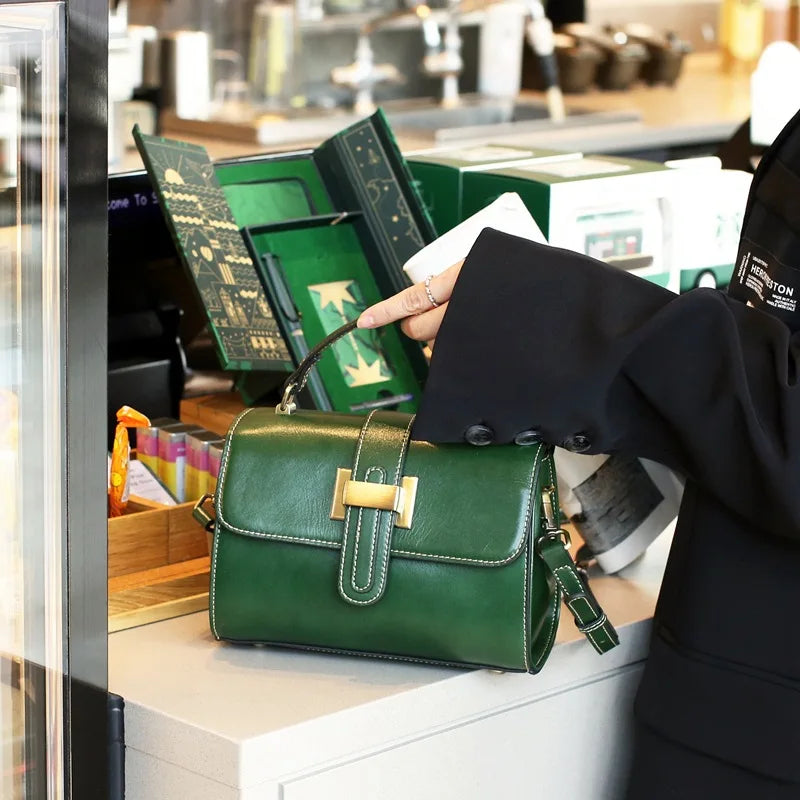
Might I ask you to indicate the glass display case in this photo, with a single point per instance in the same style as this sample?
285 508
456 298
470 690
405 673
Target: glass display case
52 658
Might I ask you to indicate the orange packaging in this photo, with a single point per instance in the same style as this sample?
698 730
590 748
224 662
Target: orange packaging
127 417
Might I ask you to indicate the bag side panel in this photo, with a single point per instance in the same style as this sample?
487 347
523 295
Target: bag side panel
544 593
545 612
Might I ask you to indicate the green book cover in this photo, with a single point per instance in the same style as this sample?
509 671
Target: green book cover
363 170
208 240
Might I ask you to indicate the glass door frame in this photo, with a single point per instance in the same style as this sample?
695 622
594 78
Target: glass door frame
84 172
86 306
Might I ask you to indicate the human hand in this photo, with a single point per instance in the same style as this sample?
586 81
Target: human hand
420 319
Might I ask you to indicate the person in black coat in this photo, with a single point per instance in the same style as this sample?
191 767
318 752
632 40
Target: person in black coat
530 338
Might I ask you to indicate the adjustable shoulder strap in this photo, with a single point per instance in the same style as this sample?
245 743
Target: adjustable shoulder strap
589 616
551 545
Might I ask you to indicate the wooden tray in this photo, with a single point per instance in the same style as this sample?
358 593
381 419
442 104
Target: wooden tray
214 412
157 564
157 594
151 535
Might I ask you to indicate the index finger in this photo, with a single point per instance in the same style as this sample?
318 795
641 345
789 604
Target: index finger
413 300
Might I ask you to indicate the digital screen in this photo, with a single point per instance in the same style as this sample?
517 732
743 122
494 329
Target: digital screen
136 226
144 271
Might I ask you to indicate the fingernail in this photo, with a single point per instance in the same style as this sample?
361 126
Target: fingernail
366 321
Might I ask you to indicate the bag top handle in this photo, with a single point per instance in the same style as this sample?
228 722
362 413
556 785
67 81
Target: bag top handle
296 382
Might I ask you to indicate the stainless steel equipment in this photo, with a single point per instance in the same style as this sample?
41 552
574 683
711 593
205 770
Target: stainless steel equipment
442 57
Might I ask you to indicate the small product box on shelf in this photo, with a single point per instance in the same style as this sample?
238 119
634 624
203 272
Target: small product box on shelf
440 174
618 210
147 442
172 458
214 461
197 445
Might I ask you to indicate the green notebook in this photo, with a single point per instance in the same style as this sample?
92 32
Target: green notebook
245 331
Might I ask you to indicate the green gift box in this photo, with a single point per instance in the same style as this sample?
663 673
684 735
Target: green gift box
618 210
439 174
306 241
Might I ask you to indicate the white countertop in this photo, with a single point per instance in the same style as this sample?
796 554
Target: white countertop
246 716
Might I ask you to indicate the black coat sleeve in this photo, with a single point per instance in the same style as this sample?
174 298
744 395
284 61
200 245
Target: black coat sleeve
601 361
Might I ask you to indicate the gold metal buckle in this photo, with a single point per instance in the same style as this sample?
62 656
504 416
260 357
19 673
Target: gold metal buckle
400 499
201 515
549 506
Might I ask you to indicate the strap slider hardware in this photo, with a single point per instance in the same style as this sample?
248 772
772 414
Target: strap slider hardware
552 535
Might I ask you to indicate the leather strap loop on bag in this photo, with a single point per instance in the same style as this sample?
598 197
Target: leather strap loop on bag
296 382
368 527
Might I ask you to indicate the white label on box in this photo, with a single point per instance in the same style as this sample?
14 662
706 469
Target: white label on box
488 153
579 168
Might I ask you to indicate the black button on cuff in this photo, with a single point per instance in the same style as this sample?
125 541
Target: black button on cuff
529 437
479 435
577 443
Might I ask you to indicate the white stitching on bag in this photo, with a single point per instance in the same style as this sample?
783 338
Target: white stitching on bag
385 563
558 578
525 609
337 545
601 620
591 632
528 542
403 447
413 659
374 537
213 585
361 438
342 559
454 559
556 598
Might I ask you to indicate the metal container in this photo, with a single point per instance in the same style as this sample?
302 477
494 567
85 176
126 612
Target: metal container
665 54
622 57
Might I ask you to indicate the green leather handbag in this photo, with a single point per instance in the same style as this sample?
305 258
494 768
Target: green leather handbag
340 533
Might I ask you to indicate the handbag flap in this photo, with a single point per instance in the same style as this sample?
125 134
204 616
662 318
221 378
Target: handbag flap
473 505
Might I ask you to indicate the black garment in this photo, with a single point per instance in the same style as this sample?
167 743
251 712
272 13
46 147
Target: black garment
661 767
601 361
767 273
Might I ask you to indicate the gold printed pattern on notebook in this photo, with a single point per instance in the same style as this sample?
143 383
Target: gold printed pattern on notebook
392 217
213 251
